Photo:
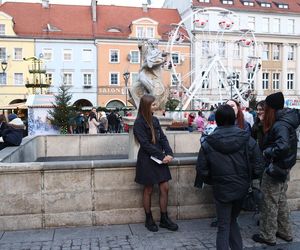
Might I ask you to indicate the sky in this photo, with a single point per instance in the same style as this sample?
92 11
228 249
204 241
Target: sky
137 3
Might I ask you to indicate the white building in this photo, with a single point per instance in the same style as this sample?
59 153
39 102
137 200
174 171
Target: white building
276 25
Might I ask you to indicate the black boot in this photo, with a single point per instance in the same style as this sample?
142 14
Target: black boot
166 222
150 224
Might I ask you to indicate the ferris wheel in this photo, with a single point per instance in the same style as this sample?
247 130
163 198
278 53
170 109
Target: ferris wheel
224 58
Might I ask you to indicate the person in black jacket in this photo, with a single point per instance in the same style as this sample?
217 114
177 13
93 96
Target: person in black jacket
280 151
222 163
13 134
257 131
3 124
152 162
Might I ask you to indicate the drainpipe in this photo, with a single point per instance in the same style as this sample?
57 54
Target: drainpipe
94 10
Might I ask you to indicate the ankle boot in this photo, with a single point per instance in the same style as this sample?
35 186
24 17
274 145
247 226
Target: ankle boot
150 224
166 222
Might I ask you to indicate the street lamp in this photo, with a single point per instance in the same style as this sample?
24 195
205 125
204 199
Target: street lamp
126 76
231 82
4 65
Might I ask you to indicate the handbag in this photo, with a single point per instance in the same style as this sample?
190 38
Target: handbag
277 172
253 199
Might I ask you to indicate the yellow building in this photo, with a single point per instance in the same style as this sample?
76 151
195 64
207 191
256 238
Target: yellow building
12 51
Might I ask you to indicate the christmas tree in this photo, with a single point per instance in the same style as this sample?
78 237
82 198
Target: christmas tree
63 114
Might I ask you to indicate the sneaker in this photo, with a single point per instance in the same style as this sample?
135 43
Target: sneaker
259 239
280 236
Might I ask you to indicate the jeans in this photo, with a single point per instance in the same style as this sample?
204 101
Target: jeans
228 229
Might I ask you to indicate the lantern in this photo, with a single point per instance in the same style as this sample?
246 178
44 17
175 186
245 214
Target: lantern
200 23
226 24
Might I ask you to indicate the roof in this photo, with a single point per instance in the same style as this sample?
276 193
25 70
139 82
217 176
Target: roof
294 5
75 21
121 17
31 20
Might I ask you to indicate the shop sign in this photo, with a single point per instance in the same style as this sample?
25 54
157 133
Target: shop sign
292 103
112 91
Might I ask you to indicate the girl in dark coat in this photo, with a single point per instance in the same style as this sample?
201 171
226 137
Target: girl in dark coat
153 156
280 151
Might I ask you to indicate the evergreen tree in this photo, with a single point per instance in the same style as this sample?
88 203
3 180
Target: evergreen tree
62 116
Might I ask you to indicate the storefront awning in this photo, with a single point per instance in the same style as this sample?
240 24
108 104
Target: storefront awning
21 105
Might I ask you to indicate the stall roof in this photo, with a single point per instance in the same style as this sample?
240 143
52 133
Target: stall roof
20 105
40 101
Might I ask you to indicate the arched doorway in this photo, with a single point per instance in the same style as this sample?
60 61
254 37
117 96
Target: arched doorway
115 104
83 104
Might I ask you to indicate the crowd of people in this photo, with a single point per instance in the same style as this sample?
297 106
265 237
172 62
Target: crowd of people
238 148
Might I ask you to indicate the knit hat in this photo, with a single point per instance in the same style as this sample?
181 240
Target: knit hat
11 117
275 101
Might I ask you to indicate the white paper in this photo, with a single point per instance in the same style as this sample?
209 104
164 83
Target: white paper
156 160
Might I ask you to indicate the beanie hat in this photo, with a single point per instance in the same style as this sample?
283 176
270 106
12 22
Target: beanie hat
11 117
275 101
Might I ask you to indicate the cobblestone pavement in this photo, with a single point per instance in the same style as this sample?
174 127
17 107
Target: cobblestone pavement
192 234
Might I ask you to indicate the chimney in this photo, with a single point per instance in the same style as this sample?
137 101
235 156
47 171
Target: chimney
94 10
45 4
145 7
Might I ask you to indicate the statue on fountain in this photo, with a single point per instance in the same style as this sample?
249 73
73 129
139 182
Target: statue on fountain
150 79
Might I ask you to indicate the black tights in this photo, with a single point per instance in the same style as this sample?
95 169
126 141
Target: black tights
163 197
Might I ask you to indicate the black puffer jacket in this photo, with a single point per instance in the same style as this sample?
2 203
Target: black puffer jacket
280 143
222 162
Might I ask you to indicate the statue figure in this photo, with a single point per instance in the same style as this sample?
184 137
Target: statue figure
150 80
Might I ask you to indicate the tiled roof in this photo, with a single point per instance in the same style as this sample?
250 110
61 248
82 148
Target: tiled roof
75 21
294 5
109 16
31 19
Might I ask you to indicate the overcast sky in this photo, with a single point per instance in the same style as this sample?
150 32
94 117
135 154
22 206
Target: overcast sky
154 3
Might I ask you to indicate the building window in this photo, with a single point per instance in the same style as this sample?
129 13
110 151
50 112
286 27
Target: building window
67 80
283 6
134 56
275 80
204 1
276 51
265 5
49 78
134 76
175 58
236 79
266 24
145 32
250 79
2 54
222 79
47 54
87 79
291 52
205 82
2 78
222 49
266 52
18 54
175 79
18 78
291 26
114 56
265 80
205 48
2 29
87 55
290 81
114 78
251 22
237 51
276 25
248 3
227 1
67 54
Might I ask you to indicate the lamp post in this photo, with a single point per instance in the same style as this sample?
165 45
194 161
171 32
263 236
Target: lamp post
126 76
231 81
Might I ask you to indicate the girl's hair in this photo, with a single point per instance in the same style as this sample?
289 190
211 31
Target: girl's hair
2 118
261 103
225 115
239 116
269 118
146 113
92 115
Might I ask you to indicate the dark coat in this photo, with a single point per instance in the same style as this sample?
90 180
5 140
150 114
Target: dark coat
280 142
257 132
148 172
222 162
3 126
